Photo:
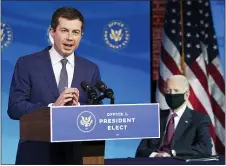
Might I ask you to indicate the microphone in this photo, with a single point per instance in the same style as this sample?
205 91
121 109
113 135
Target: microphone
92 94
102 87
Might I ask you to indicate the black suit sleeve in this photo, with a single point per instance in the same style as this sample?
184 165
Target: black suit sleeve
146 147
202 144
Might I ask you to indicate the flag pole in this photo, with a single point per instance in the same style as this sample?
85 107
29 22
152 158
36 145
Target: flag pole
182 38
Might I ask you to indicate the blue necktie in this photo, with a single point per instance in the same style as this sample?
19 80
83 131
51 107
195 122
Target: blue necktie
63 82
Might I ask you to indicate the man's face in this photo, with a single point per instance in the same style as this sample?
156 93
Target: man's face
67 36
176 85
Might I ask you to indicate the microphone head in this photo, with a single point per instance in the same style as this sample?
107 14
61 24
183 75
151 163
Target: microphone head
101 86
92 94
109 93
85 86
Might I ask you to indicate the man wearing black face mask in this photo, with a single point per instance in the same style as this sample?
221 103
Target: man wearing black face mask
183 131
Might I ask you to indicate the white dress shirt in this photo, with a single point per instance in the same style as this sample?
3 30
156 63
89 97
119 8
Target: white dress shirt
176 118
55 58
176 121
57 65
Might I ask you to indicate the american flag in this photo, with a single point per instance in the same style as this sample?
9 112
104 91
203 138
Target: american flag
189 47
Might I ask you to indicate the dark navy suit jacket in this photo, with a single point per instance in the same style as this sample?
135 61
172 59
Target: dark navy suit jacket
192 136
33 86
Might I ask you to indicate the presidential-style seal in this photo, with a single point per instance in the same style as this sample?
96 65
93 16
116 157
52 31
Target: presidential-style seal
86 121
116 34
6 35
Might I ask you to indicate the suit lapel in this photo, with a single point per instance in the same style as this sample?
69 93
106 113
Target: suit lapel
183 124
45 66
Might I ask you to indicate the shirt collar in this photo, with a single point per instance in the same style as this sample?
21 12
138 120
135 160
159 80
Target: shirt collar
56 57
180 111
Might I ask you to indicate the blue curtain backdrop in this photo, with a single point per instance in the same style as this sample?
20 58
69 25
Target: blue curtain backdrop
126 70
218 8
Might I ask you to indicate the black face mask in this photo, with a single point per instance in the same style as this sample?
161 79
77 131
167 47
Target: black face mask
174 100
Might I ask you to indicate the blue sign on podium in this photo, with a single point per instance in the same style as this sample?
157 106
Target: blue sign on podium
104 122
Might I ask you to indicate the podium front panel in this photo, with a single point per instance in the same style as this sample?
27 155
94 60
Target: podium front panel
104 122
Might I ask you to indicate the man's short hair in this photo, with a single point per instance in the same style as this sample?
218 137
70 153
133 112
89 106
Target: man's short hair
68 13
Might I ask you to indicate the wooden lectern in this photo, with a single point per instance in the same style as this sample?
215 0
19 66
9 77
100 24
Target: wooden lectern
36 126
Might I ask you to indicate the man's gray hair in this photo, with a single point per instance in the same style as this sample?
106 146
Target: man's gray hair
186 83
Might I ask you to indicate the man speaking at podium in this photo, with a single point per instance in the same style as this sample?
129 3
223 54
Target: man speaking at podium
52 77
182 131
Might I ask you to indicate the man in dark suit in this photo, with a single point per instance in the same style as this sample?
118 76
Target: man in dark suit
183 131
52 77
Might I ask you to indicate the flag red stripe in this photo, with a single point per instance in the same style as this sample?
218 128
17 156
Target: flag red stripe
203 80
197 105
170 63
212 70
218 112
200 75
